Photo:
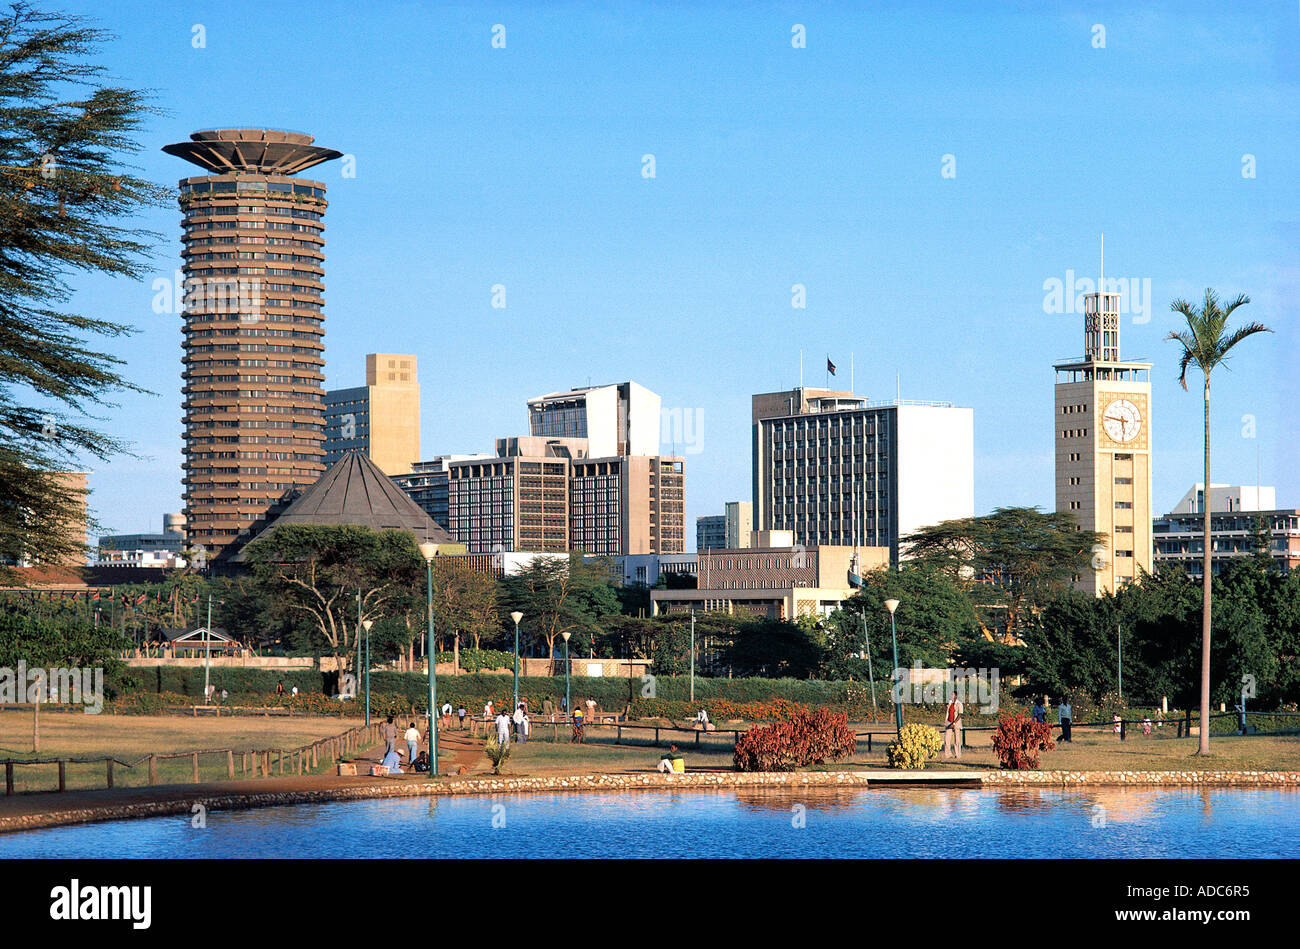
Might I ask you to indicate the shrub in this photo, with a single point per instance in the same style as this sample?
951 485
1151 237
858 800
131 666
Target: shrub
916 744
1018 741
497 754
804 738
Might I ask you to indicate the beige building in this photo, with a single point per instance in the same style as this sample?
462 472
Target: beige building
739 524
381 418
776 582
1103 448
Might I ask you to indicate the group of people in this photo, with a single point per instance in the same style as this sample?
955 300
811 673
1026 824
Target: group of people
392 760
517 723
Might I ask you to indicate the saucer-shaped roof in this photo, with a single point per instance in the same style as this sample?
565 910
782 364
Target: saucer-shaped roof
265 151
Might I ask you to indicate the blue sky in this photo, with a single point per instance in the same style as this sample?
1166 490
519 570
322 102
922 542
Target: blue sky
774 166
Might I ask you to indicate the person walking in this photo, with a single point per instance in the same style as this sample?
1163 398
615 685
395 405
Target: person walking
489 712
577 736
388 732
1065 714
521 735
952 728
503 729
461 713
591 709
412 737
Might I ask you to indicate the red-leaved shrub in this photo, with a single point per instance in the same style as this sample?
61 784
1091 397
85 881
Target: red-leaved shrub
803 739
1019 739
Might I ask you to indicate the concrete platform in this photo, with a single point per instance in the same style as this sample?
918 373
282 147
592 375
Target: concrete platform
973 778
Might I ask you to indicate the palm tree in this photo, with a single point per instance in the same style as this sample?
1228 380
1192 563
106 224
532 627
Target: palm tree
1206 343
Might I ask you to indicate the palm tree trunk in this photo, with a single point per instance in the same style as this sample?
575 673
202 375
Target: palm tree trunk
1207 567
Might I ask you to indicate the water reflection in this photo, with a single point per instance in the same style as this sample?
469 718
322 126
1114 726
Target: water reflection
751 822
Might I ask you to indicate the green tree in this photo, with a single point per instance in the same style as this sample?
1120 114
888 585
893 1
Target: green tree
558 595
1011 562
64 195
314 573
1206 343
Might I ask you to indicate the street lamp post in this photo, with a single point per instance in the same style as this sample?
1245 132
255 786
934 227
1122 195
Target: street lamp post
517 616
428 551
366 624
892 605
207 650
692 656
567 699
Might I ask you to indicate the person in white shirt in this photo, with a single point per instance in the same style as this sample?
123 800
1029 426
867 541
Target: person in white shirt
412 737
952 727
487 712
503 729
1066 716
521 733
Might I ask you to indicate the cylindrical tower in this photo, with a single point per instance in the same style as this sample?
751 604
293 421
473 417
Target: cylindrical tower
253 362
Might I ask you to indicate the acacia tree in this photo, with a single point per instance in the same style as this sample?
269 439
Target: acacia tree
1011 562
336 576
64 194
464 601
558 595
1206 343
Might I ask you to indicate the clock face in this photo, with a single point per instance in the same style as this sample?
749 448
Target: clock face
1122 420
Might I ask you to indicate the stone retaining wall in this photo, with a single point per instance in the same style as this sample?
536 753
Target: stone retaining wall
385 788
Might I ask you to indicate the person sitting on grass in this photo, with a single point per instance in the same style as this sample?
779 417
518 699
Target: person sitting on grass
421 763
666 762
393 762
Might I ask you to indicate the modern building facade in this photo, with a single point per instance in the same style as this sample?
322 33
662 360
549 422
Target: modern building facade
619 419
426 484
1245 522
775 582
381 418
253 266
148 550
711 532
739 523
838 470
1103 448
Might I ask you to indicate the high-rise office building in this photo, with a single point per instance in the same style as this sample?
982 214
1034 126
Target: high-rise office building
711 532
629 505
620 419
1103 448
380 419
515 503
835 469
254 327
426 483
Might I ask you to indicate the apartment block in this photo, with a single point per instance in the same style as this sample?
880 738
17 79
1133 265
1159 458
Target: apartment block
380 419
427 485
836 469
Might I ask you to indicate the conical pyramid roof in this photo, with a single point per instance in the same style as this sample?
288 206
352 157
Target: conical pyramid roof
355 491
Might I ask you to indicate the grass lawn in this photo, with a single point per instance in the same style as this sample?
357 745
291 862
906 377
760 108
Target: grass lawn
127 737
1088 752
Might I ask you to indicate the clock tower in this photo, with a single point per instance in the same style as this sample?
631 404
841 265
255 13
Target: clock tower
1103 448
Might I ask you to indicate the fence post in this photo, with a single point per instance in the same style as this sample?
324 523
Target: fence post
279 753
697 739
194 766
1123 729
230 763
656 735
9 778
618 737
243 760
153 769
868 742
63 776
110 772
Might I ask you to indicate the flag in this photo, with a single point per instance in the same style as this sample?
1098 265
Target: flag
830 366
139 600
95 595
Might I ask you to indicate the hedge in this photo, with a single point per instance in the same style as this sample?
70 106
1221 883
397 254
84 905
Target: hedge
188 680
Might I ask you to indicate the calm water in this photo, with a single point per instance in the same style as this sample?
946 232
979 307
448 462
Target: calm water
900 822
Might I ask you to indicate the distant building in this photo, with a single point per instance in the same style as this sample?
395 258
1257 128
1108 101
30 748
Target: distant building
426 484
711 532
627 505
620 419
739 520
1235 522
381 418
776 582
145 550
72 528
838 470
